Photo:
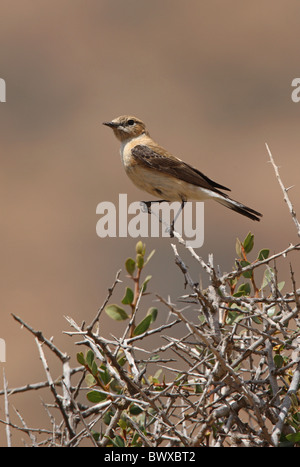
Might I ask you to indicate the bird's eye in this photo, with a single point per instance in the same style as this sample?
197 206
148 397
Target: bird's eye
130 122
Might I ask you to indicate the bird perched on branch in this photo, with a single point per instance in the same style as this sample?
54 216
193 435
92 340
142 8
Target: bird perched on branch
156 171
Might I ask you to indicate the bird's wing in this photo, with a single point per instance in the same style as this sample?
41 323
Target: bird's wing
152 159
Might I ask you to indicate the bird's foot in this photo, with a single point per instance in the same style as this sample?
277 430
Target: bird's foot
146 206
170 230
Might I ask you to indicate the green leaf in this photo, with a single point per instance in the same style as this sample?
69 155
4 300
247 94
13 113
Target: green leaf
139 260
90 358
128 297
248 242
118 442
143 326
268 276
149 257
135 409
293 437
107 417
130 266
144 285
278 360
96 396
114 386
122 360
238 248
153 313
247 274
94 368
90 380
116 313
263 254
122 424
244 289
233 316
272 311
247 289
256 319
104 375
95 435
80 358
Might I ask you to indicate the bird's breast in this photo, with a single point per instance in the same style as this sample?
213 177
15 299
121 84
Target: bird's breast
126 147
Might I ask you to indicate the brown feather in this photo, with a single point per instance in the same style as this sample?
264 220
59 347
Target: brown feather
175 167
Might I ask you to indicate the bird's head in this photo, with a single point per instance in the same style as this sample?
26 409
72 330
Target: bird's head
127 127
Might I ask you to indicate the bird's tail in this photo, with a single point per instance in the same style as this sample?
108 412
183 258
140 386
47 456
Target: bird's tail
239 207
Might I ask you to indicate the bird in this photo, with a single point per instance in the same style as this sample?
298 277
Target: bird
158 172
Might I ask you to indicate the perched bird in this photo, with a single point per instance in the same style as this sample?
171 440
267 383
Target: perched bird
154 170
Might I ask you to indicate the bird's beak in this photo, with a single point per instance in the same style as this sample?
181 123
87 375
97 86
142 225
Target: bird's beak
111 124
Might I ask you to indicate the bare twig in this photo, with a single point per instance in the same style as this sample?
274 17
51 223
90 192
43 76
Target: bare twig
257 264
26 429
286 405
68 421
110 292
6 405
284 191
41 338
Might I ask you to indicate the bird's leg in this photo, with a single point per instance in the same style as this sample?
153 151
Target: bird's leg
171 230
146 207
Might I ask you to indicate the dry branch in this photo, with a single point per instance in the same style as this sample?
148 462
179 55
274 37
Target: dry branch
230 379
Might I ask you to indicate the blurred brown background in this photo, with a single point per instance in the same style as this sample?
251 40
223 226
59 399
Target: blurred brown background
212 79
